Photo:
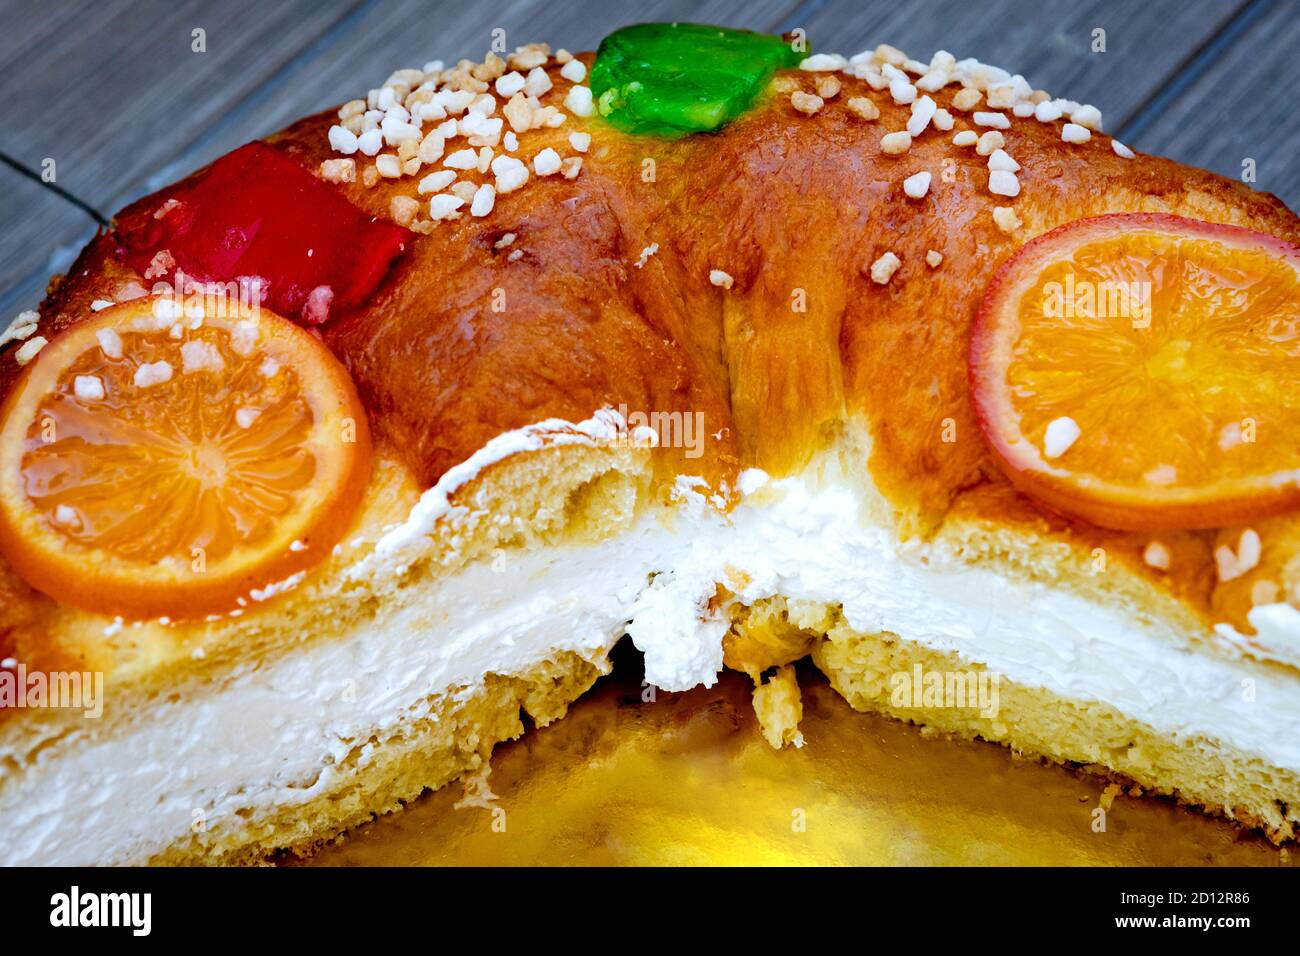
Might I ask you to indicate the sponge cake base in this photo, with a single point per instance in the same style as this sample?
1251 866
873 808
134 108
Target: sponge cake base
1087 734
452 738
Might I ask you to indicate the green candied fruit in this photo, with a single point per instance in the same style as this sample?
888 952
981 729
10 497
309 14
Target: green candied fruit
670 79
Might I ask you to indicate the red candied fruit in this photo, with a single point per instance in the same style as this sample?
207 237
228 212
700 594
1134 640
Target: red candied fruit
257 213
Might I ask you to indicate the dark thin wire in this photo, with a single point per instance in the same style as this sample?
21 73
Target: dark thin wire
53 187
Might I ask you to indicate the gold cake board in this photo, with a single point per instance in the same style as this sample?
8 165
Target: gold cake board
687 779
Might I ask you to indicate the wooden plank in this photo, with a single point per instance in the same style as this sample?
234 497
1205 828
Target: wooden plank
1237 109
165 118
42 234
112 90
265 68
400 33
1049 42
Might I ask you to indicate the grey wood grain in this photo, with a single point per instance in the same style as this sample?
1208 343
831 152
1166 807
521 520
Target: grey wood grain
114 94
389 34
137 108
113 90
1049 42
42 234
1239 108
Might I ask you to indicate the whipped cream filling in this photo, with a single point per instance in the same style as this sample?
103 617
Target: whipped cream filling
1277 633
275 734
806 542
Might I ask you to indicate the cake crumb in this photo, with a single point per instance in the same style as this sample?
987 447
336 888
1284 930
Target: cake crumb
1156 555
339 170
646 253
1264 592
989 143
883 269
403 209
575 71
779 708
578 101
719 278
483 201
808 103
828 87
863 107
161 264
823 62
1048 111
903 92
1074 133
476 791
152 373
1233 564
1087 116
917 185
1006 218
1108 796
29 349
1060 436
895 144
110 343
933 259
443 206
547 162
1003 183
923 111
1000 159
23 326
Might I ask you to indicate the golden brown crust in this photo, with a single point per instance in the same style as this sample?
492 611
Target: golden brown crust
795 209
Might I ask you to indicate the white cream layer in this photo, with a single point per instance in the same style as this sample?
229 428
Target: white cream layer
271 735
810 544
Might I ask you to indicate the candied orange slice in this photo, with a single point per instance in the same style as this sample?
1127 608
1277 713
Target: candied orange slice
158 461
1141 372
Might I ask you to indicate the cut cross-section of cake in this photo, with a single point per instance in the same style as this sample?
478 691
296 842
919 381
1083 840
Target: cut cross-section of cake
328 464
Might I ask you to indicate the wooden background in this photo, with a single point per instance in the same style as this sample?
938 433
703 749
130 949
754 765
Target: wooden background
111 91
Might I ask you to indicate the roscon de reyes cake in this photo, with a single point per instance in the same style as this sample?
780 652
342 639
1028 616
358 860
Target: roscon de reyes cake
323 467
